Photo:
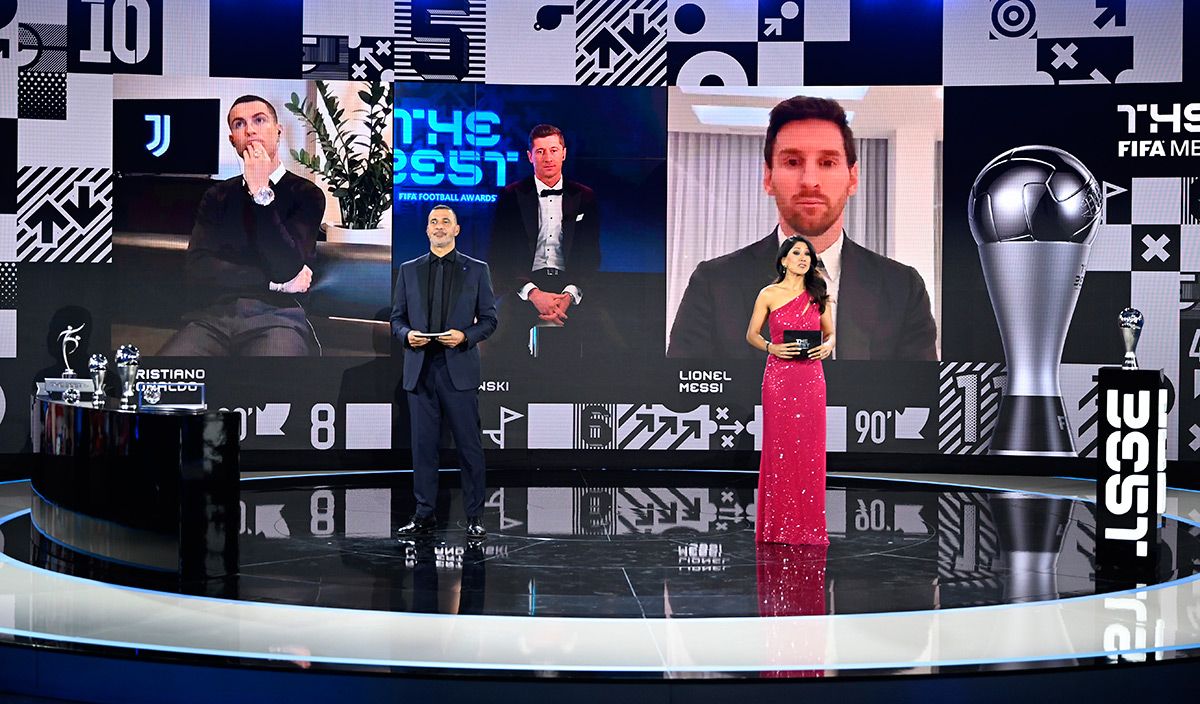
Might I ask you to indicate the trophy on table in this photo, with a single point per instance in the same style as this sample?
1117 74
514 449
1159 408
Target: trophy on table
1033 212
70 339
98 370
127 359
68 386
1130 321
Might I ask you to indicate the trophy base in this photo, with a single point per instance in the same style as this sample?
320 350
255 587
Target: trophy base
1032 426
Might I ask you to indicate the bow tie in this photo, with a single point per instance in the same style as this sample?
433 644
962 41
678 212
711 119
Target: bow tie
550 192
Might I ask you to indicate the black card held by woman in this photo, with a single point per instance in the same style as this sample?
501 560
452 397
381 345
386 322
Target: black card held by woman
808 339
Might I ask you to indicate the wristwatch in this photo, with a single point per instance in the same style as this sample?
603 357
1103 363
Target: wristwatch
264 196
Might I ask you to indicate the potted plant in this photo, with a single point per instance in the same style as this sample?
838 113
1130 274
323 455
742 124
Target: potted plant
357 167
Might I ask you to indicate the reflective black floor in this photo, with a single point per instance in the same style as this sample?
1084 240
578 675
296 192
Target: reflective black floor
605 544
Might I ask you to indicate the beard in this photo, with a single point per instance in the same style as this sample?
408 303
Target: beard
811 226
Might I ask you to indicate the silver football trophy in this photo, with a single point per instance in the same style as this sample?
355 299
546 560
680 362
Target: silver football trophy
98 370
1033 212
56 387
70 342
1131 321
127 358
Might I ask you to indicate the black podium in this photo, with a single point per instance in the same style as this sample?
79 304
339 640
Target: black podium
1131 477
146 494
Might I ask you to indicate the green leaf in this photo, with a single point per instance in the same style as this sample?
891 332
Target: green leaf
357 168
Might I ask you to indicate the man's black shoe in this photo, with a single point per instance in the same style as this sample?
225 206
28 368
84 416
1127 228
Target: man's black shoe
475 529
417 525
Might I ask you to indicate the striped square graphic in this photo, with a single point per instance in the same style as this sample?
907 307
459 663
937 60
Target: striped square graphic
64 214
325 57
433 44
969 400
1190 207
621 43
43 47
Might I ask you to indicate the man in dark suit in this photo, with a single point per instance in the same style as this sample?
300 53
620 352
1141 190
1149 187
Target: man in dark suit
447 294
249 254
881 308
545 241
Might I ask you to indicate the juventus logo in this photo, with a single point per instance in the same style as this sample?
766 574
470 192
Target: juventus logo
161 141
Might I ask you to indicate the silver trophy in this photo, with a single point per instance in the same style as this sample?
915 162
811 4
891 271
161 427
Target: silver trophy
127 358
1033 212
70 339
97 370
1131 321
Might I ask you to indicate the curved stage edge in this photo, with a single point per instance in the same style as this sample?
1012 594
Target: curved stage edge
1132 642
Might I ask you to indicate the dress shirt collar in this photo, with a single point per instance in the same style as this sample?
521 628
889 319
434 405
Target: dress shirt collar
274 177
832 258
450 257
543 187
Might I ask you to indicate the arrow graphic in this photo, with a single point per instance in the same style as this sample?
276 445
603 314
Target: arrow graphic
645 423
668 425
1112 189
691 430
86 211
691 509
46 217
1114 11
639 37
604 45
774 26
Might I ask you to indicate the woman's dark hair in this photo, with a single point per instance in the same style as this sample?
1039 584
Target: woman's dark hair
814 283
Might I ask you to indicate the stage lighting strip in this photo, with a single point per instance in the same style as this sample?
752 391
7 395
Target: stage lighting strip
55 607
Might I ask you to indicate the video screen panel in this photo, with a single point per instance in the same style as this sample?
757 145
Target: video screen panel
189 233
662 109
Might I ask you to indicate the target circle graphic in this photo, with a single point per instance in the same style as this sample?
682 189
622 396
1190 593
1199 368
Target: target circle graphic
1013 18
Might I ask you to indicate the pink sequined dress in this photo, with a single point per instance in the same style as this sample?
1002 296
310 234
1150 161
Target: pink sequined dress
791 474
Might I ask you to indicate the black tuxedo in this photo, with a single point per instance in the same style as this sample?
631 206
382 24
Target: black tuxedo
883 310
445 383
515 234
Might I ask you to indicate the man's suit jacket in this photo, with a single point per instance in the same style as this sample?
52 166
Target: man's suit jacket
472 309
515 234
883 310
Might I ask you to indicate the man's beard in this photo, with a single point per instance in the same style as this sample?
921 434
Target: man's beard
810 228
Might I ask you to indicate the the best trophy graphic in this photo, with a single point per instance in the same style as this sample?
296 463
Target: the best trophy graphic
1033 211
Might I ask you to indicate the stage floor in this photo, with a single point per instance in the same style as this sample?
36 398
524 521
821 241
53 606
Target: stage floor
632 574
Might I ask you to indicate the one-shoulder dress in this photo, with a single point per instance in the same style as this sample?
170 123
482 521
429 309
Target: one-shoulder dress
791 475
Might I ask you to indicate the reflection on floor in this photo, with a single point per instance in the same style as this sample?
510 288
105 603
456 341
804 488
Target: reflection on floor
627 551
633 572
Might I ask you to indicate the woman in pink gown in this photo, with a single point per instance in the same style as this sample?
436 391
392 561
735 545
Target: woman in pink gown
791 475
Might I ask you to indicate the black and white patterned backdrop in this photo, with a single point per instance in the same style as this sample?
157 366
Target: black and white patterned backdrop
1113 82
